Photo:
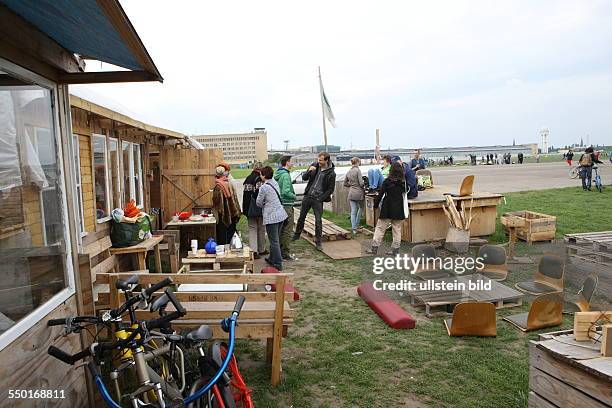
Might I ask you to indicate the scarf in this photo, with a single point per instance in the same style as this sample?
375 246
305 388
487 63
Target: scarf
223 184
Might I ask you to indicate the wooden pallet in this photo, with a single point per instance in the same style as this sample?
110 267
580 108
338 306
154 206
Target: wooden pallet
441 303
331 232
593 247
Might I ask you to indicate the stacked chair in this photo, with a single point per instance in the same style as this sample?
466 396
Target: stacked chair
547 279
582 301
472 319
545 311
495 262
428 251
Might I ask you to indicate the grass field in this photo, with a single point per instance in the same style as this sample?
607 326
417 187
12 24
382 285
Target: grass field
340 354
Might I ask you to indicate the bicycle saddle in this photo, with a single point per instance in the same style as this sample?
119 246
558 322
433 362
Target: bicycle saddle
203 333
125 284
595 167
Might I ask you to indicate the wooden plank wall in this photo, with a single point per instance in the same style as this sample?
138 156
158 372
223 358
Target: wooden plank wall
26 365
185 173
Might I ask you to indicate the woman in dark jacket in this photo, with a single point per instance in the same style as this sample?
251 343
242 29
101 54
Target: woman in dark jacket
257 230
391 209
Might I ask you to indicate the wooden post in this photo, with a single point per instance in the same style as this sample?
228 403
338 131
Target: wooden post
158 265
511 242
278 330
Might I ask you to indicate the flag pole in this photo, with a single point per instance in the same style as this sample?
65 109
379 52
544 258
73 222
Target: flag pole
322 109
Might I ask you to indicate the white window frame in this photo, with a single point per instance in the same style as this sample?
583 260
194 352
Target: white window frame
78 185
136 191
28 321
106 177
119 172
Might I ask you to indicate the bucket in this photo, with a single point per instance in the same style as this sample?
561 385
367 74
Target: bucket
457 240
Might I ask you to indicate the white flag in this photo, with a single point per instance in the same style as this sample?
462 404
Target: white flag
329 115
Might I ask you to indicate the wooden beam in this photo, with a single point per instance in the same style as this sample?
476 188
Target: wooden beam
105 77
32 44
117 17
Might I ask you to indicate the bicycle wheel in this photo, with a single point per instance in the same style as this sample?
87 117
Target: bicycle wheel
574 172
598 184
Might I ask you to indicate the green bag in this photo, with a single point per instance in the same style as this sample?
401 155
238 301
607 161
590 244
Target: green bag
124 234
424 181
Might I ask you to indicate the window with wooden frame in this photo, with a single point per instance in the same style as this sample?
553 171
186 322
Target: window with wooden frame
101 178
114 169
76 157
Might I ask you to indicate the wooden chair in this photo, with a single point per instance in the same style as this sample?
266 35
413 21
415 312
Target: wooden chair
427 251
547 279
427 173
495 264
545 311
582 301
466 188
170 246
472 319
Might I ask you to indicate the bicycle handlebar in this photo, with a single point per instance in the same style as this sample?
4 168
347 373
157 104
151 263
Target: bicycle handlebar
154 288
114 313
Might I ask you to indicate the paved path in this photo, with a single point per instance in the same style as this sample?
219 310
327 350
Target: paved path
505 178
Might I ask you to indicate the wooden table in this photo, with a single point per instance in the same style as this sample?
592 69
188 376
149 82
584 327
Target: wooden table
564 372
427 221
200 230
500 295
215 262
140 251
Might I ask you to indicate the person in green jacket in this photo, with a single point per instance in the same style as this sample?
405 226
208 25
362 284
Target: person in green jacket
287 194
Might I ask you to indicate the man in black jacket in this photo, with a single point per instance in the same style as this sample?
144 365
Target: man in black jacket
321 179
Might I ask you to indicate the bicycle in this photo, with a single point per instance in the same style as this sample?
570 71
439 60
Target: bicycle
574 172
598 182
136 344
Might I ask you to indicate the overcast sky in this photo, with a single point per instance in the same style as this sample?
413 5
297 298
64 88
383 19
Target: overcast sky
427 73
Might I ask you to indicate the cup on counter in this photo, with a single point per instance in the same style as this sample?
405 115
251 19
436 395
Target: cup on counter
194 246
220 249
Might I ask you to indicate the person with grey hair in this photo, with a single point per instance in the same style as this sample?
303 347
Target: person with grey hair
356 194
274 215
257 230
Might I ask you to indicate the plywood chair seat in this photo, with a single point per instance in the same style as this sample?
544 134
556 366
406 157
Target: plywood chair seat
582 301
466 188
535 288
427 274
548 277
472 319
495 262
428 251
545 311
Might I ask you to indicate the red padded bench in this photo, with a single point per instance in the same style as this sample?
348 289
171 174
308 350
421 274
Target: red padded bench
288 287
386 308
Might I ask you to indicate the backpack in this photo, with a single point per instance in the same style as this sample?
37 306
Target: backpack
586 160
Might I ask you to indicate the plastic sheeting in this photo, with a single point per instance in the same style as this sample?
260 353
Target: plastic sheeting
10 175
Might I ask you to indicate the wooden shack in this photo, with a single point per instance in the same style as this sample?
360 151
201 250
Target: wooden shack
48 206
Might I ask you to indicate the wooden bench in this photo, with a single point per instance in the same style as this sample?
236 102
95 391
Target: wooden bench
140 251
229 260
95 263
265 315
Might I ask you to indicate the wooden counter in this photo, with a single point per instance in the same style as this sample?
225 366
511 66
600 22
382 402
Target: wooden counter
427 221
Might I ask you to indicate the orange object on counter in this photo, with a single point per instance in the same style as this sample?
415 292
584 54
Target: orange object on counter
131 210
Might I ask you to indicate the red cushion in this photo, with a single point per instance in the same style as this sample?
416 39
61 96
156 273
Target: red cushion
386 308
288 286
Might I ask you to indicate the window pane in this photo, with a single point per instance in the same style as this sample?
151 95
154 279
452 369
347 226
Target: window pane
113 168
137 174
100 176
127 175
32 228
79 196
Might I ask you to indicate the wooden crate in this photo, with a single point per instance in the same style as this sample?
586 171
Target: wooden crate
535 227
590 246
371 213
566 373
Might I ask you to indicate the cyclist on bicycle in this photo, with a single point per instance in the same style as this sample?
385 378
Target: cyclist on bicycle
586 162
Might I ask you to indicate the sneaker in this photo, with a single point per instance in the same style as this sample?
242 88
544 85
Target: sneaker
256 256
289 257
319 246
295 237
264 253
267 260
372 251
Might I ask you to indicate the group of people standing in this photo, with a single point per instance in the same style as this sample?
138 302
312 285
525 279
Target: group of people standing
268 201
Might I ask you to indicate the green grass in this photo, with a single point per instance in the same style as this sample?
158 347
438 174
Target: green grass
340 354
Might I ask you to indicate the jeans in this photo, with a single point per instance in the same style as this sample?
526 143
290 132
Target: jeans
225 232
317 208
257 234
287 231
275 259
356 209
585 174
381 226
